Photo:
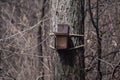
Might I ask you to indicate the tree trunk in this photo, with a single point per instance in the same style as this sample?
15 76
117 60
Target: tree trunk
66 64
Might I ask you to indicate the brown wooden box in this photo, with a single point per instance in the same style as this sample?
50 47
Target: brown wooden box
61 41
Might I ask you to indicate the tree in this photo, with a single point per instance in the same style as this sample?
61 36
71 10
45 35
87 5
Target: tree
101 18
96 26
69 64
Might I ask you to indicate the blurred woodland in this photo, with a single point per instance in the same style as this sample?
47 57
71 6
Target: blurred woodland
25 52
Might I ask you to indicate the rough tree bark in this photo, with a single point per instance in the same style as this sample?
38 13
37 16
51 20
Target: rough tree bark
66 65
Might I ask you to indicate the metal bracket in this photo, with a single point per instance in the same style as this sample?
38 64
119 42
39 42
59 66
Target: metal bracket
76 47
70 35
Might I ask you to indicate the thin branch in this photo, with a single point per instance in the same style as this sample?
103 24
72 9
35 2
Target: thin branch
38 43
12 36
46 66
40 76
91 14
106 62
114 70
14 53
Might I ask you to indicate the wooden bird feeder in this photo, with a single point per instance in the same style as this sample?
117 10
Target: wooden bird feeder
61 37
